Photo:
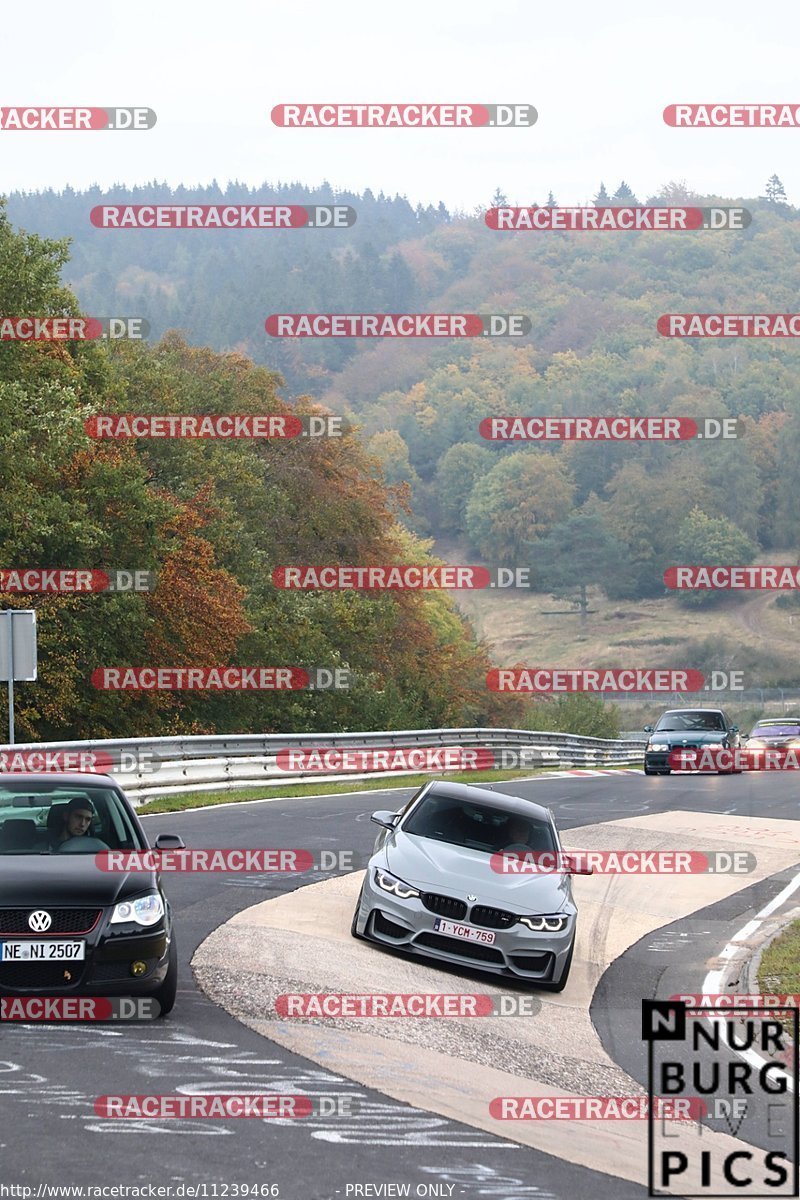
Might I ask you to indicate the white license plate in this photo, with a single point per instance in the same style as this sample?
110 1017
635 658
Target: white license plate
467 932
42 951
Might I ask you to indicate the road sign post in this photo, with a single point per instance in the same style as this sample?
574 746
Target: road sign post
17 653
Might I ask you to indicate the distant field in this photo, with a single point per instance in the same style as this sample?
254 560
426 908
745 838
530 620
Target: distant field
745 633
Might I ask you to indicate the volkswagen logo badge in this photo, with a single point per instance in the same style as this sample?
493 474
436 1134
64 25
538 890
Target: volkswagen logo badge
40 921
472 898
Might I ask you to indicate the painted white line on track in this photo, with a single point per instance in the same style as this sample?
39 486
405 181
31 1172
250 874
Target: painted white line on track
713 980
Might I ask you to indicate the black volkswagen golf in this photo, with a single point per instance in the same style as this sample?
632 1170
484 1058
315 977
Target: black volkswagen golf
67 925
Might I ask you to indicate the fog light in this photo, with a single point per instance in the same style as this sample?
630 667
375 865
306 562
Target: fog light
138 967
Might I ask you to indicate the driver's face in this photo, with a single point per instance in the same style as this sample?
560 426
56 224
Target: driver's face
78 823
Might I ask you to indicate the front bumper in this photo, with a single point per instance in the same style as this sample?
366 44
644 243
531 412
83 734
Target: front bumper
408 925
104 972
658 760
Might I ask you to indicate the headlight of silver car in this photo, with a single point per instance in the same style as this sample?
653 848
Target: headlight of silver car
555 923
390 883
146 910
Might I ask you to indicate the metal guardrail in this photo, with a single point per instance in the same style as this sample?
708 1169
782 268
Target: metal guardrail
151 767
717 699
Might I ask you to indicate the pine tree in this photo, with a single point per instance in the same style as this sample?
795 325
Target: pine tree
623 195
499 199
551 201
602 199
775 191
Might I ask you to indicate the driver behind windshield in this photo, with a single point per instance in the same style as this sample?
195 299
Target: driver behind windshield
77 821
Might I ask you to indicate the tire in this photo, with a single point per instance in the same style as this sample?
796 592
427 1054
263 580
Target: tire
562 983
169 988
353 930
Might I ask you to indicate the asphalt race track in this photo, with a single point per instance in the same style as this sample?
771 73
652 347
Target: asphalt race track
51 1075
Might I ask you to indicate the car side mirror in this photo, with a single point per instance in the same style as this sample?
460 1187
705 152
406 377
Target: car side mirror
648 729
385 818
169 841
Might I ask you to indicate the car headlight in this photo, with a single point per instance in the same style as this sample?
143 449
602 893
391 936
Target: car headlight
555 923
794 744
390 883
146 910
761 742
658 746
713 746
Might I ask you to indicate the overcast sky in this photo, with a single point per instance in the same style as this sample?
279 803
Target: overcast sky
598 74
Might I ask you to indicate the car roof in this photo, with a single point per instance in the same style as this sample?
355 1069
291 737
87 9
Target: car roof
59 778
474 794
778 721
669 711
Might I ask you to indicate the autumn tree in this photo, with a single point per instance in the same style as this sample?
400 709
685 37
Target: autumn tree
517 502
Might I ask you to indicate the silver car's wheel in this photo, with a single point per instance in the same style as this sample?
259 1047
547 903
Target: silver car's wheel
354 923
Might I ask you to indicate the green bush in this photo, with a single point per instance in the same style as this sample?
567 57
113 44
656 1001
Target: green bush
576 713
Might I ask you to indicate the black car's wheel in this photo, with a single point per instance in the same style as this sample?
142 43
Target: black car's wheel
562 982
169 988
353 930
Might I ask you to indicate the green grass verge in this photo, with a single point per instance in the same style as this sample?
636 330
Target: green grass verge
322 788
779 969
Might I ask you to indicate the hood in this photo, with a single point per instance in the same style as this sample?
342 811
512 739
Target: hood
66 880
777 740
438 867
688 737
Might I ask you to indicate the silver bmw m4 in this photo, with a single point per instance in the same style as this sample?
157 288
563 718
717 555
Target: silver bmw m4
447 880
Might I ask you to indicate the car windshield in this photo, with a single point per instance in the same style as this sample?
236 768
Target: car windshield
674 722
777 731
42 818
481 827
